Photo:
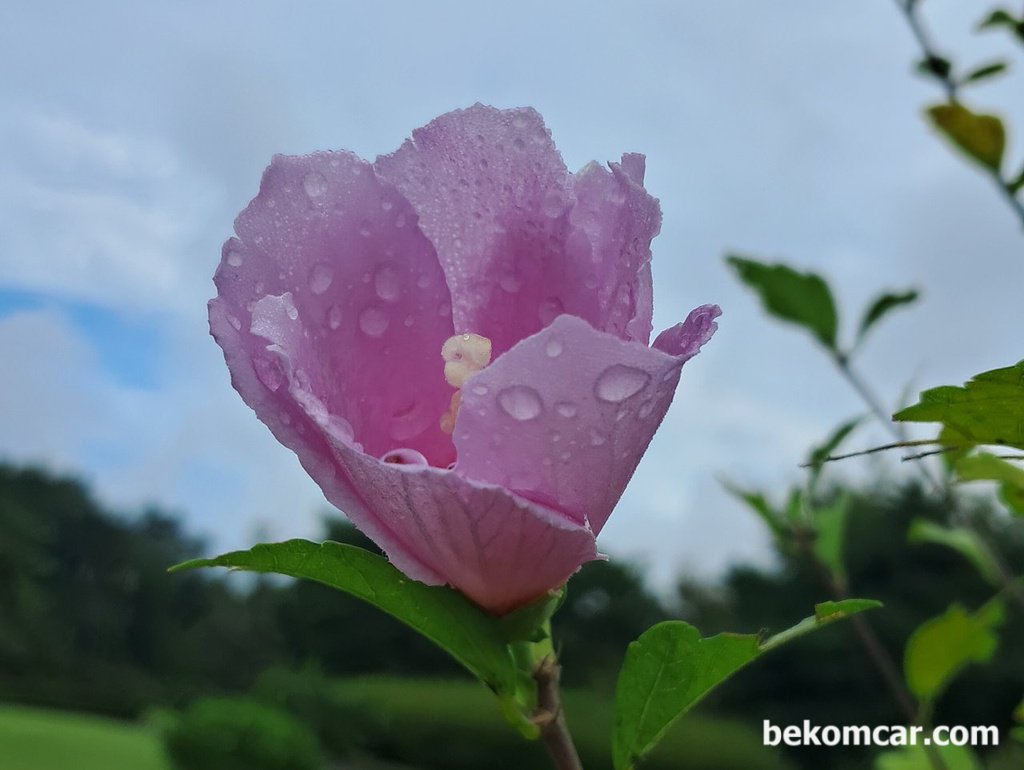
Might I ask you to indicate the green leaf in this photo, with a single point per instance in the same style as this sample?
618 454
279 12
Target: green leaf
998 18
986 71
983 466
800 298
441 614
942 647
959 539
670 668
987 410
882 306
759 505
917 758
935 66
830 524
981 137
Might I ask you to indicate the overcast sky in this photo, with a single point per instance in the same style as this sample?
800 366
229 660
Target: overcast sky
133 133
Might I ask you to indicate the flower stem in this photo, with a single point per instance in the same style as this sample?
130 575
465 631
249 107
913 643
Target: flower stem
550 718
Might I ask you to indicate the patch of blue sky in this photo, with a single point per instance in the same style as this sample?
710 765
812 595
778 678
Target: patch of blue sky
128 345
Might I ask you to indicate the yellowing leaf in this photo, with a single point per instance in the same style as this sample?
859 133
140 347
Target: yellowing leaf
981 137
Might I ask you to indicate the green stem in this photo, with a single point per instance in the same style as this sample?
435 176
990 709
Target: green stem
550 718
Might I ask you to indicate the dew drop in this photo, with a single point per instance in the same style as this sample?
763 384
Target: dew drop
423 281
290 309
315 184
334 316
520 402
511 283
269 372
566 409
480 390
518 143
409 321
597 439
320 278
386 205
646 409
373 322
550 309
364 228
445 310
619 382
400 221
387 283
519 121
235 323
553 348
235 258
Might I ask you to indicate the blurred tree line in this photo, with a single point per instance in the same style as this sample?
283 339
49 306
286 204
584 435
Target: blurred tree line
90 619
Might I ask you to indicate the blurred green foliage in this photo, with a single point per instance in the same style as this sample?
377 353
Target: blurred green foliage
90 620
239 734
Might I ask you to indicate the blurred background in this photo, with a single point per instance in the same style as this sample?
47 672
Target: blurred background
131 136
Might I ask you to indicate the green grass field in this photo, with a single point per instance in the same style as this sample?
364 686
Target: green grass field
35 739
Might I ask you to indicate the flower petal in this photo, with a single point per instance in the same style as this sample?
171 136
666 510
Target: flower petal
619 218
262 379
435 526
363 284
500 550
564 417
521 240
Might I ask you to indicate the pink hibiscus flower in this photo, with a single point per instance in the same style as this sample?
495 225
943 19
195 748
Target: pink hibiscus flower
454 341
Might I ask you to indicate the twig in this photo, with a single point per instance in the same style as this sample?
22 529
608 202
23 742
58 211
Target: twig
550 719
951 87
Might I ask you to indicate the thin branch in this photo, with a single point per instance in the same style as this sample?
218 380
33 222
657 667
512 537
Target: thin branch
951 87
550 719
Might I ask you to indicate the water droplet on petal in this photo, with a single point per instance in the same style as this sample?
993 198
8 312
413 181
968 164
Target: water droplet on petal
480 390
550 309
518 143
409 321
619 382
404 456
270 373
519 121
235 323
423 281
364 228
290 309
387 283
373 322
386 205
597 439
314 184
445 309
566 409
334 316
511 283
520 402
553 348
320 278
235 258
646 409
